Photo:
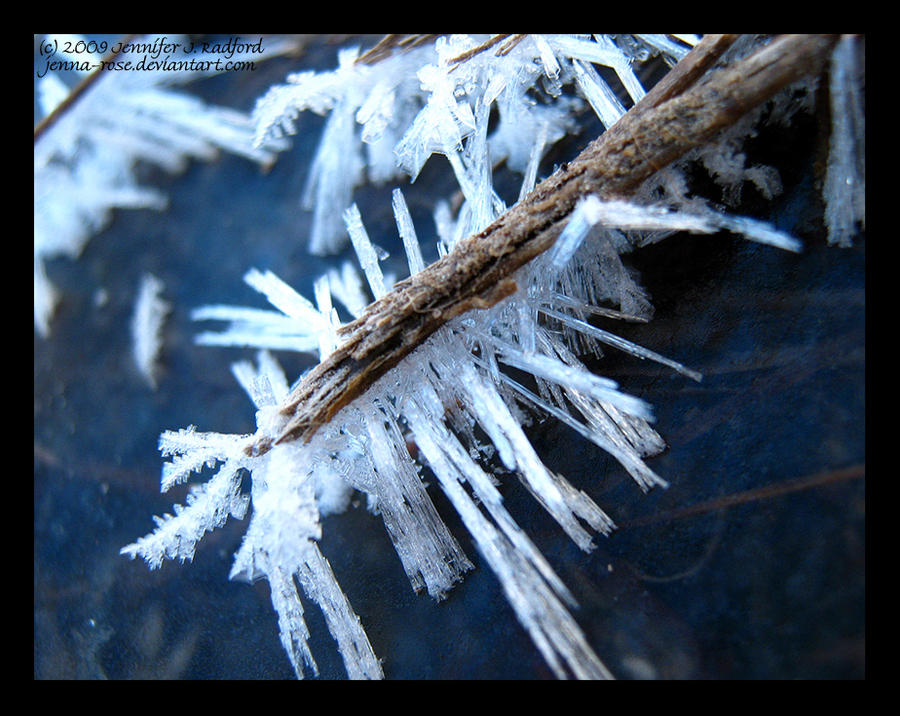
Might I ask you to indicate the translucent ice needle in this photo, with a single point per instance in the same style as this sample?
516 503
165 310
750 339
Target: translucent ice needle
626 215
600 388
583 218
284 298
407 233
622 344
631 461
365 251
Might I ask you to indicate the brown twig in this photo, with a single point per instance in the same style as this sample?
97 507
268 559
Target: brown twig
386 45
508 46
686 111
469 54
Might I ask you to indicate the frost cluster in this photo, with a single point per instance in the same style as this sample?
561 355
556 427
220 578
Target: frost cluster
84 163
454 396
386 119
150 311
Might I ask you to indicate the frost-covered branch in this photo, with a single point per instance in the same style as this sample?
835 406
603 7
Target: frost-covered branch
477 273
429 360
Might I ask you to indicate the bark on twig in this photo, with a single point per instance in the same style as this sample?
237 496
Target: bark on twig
687 109
387 44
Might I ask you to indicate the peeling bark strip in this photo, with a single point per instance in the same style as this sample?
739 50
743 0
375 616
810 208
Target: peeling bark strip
685 110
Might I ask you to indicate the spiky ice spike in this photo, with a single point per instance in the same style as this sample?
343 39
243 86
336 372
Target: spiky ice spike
431 556
390 116
462 359
486 405
208 505
281 545
530 584
407 233
365 251
368 107
451 394
629 216
346 285
288 494
297 325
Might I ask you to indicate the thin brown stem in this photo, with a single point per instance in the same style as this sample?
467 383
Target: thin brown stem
469 54
386 45
689 110
508 46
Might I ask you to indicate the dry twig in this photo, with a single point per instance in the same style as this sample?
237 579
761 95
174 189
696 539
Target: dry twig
687 109
387 44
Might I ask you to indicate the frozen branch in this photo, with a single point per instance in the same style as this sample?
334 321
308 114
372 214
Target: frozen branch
684 112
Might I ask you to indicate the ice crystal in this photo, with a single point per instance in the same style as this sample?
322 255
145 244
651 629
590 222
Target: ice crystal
289 493
367 106
149 313
454 395
388 118
461 364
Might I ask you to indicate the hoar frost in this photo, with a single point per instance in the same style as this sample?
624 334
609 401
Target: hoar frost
147 325
85 162
452 395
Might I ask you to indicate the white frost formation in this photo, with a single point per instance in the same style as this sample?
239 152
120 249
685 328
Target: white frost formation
387 118
452 395
150 312
84 162
288 495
